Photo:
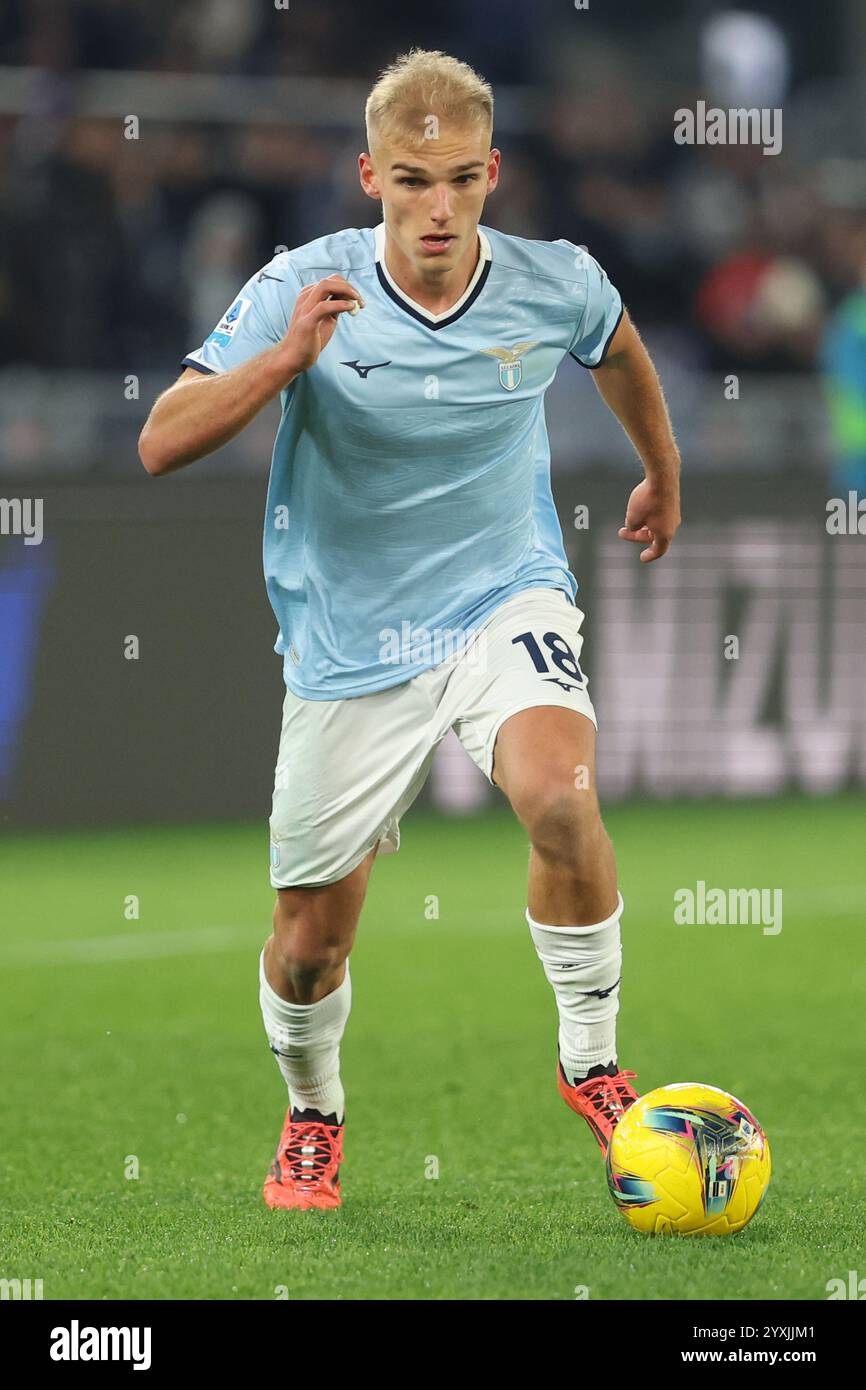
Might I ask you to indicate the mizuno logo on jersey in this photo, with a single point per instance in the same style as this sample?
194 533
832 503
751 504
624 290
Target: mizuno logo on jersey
510 363
364 371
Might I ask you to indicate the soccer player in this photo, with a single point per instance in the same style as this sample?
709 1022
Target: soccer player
416 568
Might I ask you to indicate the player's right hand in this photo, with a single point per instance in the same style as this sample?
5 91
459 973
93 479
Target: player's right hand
312 325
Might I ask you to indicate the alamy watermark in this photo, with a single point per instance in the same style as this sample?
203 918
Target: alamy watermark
853 1287
20 1289
77 1343
720 907
410 646
846 516
739 125
22 516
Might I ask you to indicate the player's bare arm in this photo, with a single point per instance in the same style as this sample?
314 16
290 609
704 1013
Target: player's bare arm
628 383
201 413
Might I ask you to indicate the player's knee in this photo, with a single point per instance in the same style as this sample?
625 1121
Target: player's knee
309 968
564 825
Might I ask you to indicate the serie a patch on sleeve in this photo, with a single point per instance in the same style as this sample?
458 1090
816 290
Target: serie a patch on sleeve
225 329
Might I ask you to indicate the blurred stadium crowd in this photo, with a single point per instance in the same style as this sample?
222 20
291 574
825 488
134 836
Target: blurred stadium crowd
118 252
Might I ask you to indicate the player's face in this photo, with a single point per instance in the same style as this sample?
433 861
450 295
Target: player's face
432 197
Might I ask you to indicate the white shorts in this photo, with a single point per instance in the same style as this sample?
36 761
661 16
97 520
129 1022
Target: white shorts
348 769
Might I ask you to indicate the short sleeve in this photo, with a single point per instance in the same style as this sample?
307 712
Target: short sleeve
600 319
257 319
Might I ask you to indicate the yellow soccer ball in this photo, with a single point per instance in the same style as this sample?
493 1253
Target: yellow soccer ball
688 1160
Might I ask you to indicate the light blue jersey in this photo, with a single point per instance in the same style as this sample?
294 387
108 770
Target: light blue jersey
410 480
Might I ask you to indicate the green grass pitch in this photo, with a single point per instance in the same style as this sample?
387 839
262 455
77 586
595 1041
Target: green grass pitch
141 1040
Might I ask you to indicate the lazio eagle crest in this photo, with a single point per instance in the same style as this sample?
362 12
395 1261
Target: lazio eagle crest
510 363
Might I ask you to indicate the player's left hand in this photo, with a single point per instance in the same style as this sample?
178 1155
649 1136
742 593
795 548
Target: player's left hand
652 515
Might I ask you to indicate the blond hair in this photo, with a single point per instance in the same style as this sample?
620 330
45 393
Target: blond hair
425 84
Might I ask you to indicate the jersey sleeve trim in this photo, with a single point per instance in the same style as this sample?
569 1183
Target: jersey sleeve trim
591 366
199 367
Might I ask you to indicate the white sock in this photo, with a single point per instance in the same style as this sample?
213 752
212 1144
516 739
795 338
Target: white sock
306 1041
583 965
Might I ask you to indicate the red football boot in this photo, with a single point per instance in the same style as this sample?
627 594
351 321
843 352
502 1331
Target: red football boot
601 1100
305 1174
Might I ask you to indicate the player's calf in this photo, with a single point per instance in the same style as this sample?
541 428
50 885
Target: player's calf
305 994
